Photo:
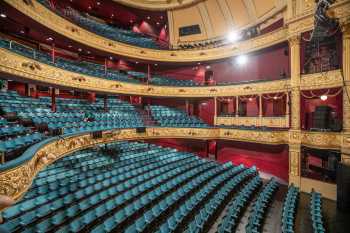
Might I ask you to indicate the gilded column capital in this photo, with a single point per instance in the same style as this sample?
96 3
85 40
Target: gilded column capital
345 28
294 40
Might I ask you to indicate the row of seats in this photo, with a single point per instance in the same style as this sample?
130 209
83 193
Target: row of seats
88 68
237 206
73 115
262 202
171 117
79 187
103 29
316 212
289 209
207 215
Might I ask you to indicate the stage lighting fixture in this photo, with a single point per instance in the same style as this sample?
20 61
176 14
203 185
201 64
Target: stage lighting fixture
233 36
242 59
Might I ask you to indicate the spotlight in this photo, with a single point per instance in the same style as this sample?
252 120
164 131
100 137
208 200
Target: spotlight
156 64
50 38
324 97
3 15
111 58
250 99
242 59
233 36
275 97
80 50
207 67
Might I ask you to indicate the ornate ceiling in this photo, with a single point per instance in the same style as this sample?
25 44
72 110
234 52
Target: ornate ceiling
158 4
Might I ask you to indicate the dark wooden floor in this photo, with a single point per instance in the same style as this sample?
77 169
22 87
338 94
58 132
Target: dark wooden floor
335 221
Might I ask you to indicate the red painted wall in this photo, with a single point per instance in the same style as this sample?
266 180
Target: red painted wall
198 147
267 64
267 158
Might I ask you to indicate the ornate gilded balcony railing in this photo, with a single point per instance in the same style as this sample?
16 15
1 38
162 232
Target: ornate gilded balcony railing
28 69
17 175
273 122
44 16
296 25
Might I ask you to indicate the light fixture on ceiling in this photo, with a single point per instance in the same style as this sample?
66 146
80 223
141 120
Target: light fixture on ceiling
208 67
156 64
98 3
136 62
70 46
157 23
242 59
3 15
250 99
49 38
79 49
111 58
148 17
22 31
324 97
233 36
88 52
275 97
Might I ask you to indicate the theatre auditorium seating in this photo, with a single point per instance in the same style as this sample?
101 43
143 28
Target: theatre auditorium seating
170 117
105 30
165 81
71 114
83 67
316 212
132 189
257 215
289 209
238 205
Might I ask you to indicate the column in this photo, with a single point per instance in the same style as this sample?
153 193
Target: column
294 44
105 103
237 105
294 164
187 104
215 110
148 73
53 99
346 73
295 133
345 150
287 118
260 110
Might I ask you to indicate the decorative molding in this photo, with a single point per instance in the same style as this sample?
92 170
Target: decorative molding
324 80
46 17
324 140
277 122
160 5
12 64
16 181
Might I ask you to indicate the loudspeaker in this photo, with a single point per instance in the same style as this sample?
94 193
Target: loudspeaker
96 134
343 187
322 117
336 125
141 130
